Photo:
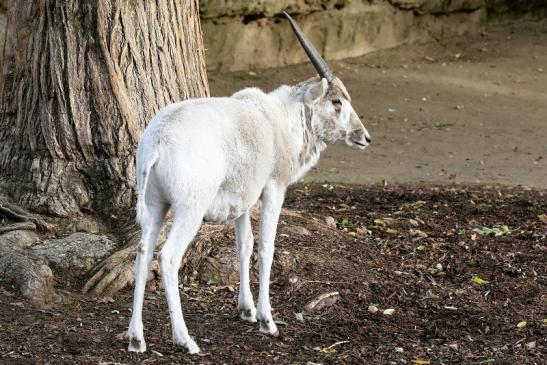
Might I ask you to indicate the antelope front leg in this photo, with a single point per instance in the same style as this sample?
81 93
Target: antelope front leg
272 200
244 238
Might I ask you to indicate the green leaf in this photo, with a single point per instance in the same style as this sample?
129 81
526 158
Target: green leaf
343 206
344 222
391 231
213 280
496 231
479 280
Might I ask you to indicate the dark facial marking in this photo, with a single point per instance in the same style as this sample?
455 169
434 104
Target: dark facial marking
337 105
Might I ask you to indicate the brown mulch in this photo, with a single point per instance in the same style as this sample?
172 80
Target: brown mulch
457 294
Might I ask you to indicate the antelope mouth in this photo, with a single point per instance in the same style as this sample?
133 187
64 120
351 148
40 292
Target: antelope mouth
357 144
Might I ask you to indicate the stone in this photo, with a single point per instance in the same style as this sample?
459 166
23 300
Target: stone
76 254
30 274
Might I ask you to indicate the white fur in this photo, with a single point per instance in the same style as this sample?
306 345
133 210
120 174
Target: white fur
213 159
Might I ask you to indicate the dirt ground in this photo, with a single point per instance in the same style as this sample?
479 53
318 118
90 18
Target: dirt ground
457 295
470 109
423 243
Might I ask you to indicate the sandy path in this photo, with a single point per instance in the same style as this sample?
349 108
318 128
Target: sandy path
470 109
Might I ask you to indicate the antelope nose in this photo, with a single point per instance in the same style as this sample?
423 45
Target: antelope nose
367 138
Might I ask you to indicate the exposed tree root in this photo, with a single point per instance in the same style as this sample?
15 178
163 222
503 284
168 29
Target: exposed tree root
114 273
27 226
117 272
16 213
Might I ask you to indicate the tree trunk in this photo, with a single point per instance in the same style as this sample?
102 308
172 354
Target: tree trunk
80 81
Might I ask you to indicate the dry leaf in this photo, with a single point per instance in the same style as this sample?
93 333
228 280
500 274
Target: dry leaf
522 324
389 311
322 301
380 222
328 350
421 362
543 218
372 308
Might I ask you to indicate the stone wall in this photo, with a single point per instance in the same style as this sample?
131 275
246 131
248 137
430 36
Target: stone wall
243 35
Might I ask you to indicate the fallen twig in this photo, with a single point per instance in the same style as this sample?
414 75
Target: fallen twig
337 343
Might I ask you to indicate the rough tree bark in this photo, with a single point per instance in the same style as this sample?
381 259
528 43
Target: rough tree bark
80 80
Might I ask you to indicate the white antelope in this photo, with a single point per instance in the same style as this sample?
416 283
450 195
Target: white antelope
213 159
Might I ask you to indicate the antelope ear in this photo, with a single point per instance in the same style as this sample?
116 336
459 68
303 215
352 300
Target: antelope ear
316 92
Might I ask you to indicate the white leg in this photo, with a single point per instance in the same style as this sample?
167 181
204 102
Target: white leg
145 252
272 200
244 239
185 227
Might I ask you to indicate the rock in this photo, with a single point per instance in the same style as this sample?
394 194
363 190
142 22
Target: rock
322 301
331 222
77 253
30 274
18 239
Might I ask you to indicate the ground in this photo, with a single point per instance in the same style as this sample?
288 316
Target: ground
468 109
417 236
458 295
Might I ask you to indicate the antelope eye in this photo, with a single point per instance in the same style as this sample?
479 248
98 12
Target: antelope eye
337 102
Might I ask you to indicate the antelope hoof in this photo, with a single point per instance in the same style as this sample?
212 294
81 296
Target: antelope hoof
190 345
136 344
248 315
268 327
